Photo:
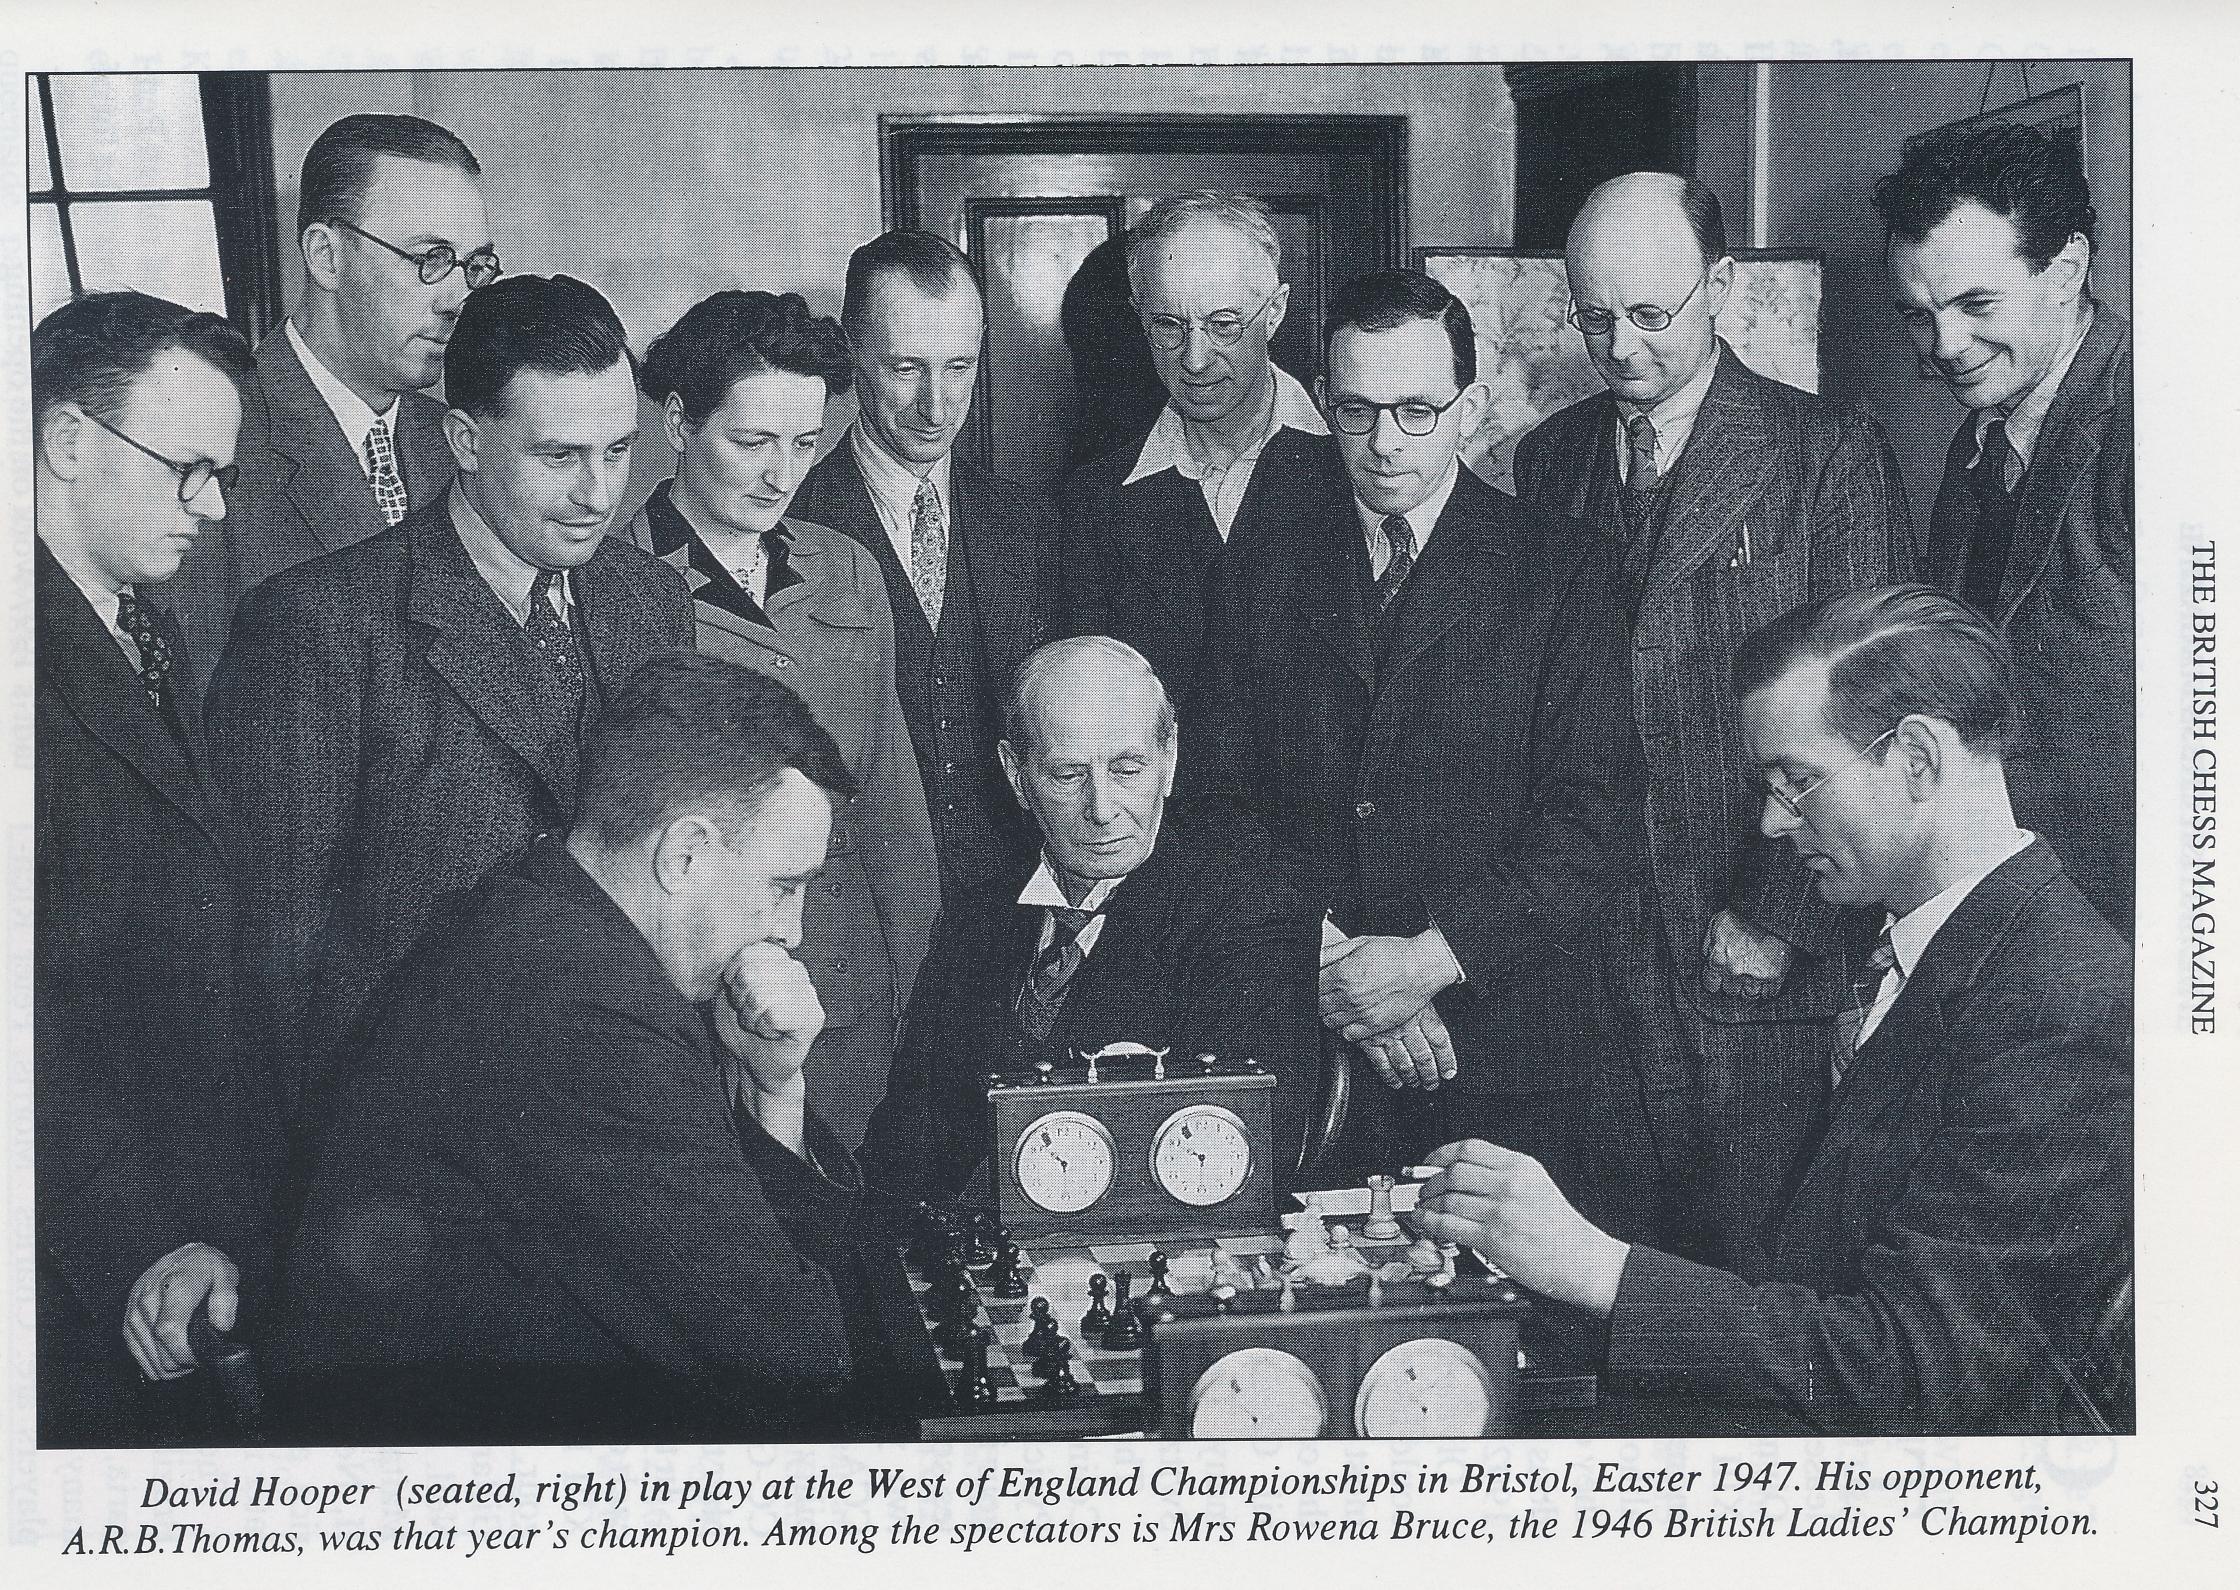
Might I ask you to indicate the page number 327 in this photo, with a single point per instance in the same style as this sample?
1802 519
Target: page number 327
2205 1502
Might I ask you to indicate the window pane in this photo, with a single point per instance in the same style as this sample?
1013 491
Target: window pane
130 130
50 277
34 139
167 247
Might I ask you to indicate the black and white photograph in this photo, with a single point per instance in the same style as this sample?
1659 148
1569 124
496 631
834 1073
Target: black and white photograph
760 757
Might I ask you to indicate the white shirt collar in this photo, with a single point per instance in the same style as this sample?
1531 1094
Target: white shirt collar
1674 417
2028 415
350 411
893 486
1168 448
1043 889
1423 518
502 569
1910 934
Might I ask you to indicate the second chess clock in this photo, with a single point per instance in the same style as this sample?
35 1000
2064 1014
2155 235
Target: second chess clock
1129 1146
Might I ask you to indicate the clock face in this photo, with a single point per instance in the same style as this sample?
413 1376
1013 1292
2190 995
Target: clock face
1427 1387
1201 1155
1063 1161
1257 1393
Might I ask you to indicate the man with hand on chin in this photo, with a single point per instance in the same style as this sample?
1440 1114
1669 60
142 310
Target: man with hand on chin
1954 1254
572 1189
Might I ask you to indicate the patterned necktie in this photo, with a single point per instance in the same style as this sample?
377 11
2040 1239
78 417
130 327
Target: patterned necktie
1864 988
555 642
138 621
1641 454
1045 989
381 468
1400 536
1986 566
929 550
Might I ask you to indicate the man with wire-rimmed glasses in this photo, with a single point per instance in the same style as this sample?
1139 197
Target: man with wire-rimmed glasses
341 436
1726 498
155 1123
1237 447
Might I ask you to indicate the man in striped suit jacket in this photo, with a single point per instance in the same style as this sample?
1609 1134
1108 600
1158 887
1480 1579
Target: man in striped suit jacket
1954 1255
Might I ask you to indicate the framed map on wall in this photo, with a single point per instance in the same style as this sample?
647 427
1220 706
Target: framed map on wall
1535 363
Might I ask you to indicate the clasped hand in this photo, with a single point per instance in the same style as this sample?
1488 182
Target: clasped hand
769 1015
164 1299
1376 991
1743 959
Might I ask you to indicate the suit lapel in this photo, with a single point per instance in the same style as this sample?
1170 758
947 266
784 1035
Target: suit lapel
1002 580
2068 447
1459 575
90 672
476 649
323 480
1577 448
1711 498
1339 616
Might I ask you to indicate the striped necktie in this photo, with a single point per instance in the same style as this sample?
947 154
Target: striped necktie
1864 989
1400 536
1044 991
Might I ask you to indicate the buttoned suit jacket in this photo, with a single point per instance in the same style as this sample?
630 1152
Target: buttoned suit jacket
1814 485
2066 603
302 492
1486 777
529 1215
865 921
1964 1220
374 726
1204 950
1138 562
1008 537
154 1120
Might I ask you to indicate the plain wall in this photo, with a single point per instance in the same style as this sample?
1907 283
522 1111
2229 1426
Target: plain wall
1833 128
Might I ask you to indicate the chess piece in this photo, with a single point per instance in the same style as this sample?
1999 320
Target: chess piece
976 1386
1289 1302
1056 1370
1308 1240
1229 1270
1376 1290
1381 1226
987 1236
1006 1278
1424 1255
1098 1316
1125 1333
1158 1286
1264 1275
955 1309
1223 1294
1341 1240
1045 1329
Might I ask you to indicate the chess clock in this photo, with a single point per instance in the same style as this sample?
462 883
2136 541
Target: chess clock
1411 1361
1122 1145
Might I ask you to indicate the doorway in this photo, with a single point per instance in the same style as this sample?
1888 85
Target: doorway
1041 203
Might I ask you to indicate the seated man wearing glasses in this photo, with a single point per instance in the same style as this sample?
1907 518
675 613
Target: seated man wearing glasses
1952 1253
1235 450
1726 498
1418 687
340 436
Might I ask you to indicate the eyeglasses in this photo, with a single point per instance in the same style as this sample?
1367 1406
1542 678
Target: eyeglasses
1794 804
1358 416
434 264
1222 328
193 476
1600 322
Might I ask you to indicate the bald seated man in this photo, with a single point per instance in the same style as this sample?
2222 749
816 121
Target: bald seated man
1726 498
1137 922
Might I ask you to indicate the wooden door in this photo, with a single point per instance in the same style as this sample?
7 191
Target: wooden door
1041 204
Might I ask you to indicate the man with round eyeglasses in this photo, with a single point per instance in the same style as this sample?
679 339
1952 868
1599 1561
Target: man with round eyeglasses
156 1125
1235 450
1725 498
342 435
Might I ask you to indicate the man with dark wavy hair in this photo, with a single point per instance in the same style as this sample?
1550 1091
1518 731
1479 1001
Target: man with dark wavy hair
1991 240
392 720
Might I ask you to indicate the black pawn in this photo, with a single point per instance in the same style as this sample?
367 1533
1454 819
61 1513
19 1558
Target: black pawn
986 1236
976 1386
1045 1332
1005 1277
956 1308
1056 1371
1125 1333
1158 1286
1098 1316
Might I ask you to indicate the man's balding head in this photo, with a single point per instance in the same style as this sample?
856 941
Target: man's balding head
1089 748
1650 240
